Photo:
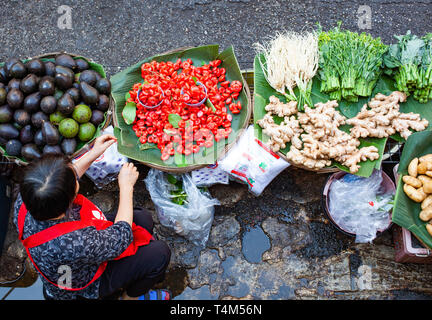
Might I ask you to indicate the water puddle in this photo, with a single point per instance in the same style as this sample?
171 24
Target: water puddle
33 292
254 243
202 293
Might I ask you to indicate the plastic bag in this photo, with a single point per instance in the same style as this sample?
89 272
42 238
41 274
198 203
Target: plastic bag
181 205
209 176
251 161
360 205
106 168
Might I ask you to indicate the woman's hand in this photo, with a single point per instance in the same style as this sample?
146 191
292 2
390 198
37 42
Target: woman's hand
128 176
102 143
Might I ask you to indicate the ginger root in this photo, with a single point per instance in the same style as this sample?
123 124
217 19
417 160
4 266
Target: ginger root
281 109
316 139
280 134
314 135
381 118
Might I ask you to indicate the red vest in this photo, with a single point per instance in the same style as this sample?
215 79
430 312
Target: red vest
90 216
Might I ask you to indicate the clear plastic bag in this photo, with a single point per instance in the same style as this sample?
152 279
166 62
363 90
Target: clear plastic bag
360 205
194 217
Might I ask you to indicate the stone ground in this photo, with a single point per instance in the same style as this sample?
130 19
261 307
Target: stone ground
279 245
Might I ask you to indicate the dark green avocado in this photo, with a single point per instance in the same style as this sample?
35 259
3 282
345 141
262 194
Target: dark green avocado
47 86
89 94
65 60
52 149
8 131
22 117
38 118
103 86
29 84
50 133
30 152
50 68
6 113
36 66
48 104
97 117
103 103
18 70
68 146
88 76
32 102
3 95
15 98
26 134
66 104
81 65
13 148
38 139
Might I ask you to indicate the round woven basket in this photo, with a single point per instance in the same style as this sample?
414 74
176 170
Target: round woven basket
180 170
323 170
103 126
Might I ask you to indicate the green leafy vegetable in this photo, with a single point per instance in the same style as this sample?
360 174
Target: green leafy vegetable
129 112
409 61
147 146
349 63
178 195
174 119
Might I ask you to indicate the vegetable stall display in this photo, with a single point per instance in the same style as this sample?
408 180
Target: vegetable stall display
54 103
290 60
349 63
409 62
412 207
181 110
354 107
191 104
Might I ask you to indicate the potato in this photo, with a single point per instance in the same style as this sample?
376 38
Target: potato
414 194
426 214
428 173
426 202
429 228
412 167
423 194
424 179
426 158
423 167
427 187
416 183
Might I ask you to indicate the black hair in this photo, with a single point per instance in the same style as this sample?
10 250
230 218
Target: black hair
48 186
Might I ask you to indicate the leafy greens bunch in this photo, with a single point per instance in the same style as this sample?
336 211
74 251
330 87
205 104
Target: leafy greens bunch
409 61
349 63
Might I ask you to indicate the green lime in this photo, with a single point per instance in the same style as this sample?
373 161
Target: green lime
86 131
68 128
82 113
56 117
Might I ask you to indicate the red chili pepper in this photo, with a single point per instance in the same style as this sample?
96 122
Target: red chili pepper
178 81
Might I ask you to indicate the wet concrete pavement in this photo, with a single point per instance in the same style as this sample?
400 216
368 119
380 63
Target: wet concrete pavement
276 246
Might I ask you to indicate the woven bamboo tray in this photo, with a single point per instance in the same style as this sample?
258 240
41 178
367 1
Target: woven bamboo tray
103 126
221 154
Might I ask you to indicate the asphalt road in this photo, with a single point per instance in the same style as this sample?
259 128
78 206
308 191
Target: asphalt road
120 33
